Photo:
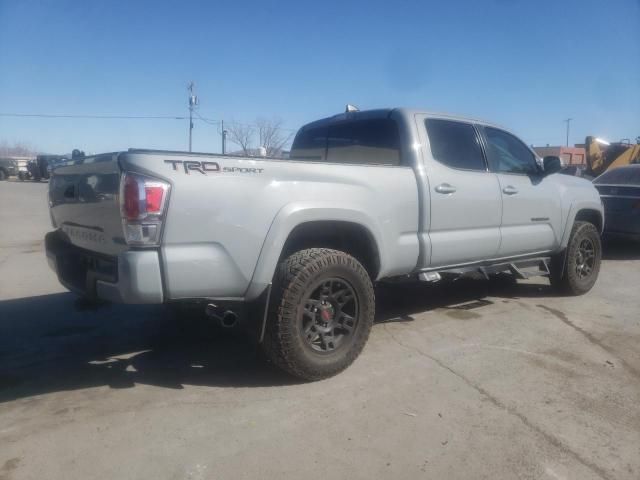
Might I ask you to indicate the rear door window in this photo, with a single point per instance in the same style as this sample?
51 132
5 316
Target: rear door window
455 144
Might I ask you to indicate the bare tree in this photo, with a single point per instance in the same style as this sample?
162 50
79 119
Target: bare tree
242 135
272 136
19 149
269 134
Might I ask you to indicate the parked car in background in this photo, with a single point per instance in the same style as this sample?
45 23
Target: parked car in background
577 171
620 193
41 167
8 168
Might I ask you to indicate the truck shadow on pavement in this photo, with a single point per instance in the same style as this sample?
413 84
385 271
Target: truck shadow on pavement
54 343
397 302
620 249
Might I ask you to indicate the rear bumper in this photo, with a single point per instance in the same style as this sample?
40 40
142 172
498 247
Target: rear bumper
131 277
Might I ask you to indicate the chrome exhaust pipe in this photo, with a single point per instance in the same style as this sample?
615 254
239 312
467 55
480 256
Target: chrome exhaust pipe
229 319
213 311
226 318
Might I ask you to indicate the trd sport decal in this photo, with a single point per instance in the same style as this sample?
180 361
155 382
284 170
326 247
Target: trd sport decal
209 167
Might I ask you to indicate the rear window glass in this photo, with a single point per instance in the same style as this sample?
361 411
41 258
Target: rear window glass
310 144
372 142
620 176
455 144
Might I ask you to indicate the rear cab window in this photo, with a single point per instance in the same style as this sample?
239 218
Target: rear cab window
310 144
365 142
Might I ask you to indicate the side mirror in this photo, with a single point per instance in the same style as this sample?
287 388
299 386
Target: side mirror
551 164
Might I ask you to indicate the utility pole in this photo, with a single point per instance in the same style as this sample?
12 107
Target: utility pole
224 137
568 120
193 102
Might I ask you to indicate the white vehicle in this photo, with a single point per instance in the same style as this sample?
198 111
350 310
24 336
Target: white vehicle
290 249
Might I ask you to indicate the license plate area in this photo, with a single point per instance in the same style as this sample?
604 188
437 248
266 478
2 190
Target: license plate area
79 269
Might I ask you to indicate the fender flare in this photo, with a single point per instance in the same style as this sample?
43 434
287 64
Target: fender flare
286 220
571 218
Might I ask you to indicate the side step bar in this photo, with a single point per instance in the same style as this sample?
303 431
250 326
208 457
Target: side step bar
522 269
528 269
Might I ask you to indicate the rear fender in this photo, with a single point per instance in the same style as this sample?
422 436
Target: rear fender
287 219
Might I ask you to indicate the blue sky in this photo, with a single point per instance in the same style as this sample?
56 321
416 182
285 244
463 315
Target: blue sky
524 64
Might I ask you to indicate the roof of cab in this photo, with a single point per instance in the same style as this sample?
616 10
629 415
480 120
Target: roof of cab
387 112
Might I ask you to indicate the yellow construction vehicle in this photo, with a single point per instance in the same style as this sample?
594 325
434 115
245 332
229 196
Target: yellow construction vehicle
603 155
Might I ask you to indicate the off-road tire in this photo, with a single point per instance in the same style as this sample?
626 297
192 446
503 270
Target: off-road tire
285 343
563 275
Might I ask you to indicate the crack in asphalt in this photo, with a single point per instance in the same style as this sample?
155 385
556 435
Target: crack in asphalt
510 410
593 340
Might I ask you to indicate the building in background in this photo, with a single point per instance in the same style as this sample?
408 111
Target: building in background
568 155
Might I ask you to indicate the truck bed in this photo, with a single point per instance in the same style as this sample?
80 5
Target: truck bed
227 218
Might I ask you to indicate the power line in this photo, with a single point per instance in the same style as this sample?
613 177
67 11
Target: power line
207 120
119 117
256 125
211 121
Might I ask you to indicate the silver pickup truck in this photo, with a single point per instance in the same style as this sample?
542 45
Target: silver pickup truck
290 249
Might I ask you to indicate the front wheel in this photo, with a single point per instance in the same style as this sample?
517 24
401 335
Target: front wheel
576 271
320 315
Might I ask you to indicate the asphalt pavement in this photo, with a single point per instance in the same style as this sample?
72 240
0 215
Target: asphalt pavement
464 380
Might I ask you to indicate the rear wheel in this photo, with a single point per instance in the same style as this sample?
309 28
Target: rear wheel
321 313
576 271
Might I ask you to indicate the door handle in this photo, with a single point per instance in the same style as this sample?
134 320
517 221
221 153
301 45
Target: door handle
509 190
445 188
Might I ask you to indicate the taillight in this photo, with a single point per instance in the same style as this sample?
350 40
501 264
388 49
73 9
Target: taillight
154 195
131 203
143 205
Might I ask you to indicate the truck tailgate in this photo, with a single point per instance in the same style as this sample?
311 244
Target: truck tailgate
85 204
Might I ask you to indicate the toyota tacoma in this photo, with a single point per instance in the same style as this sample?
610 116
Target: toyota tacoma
290 249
